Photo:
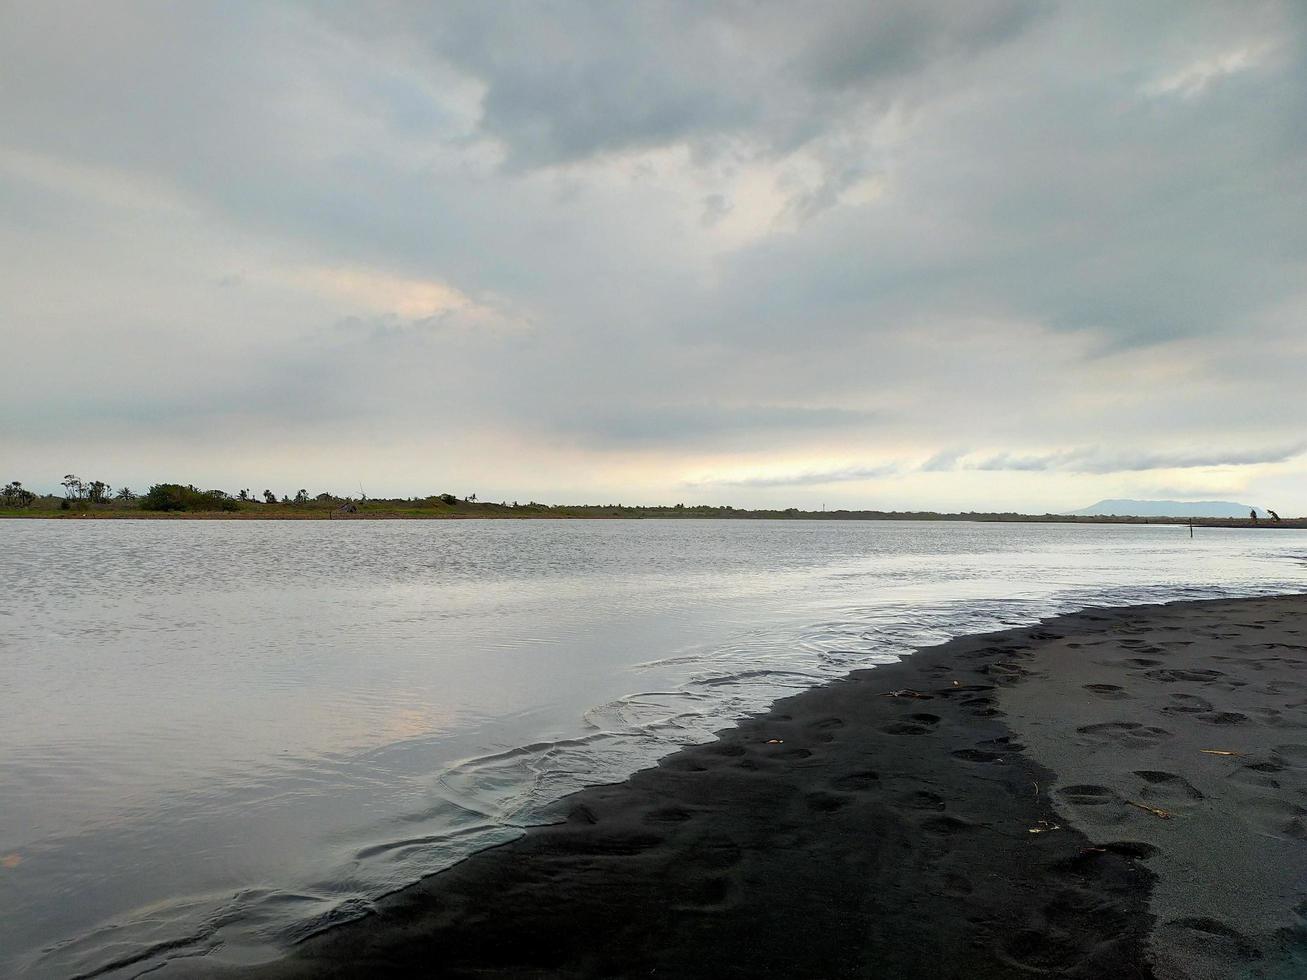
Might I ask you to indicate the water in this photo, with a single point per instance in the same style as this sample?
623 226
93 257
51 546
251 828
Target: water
219 736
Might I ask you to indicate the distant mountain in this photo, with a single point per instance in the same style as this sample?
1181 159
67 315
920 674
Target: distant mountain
1167 508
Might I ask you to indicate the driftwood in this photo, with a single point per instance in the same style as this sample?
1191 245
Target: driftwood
1155 811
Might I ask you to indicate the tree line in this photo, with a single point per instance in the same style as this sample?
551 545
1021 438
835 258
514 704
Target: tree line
82 494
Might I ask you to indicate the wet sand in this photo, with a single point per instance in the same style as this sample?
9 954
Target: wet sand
1113 793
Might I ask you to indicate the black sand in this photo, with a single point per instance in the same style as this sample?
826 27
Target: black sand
1028 803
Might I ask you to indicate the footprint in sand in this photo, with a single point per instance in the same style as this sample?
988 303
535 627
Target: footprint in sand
716 852
976 755
1087 794
1132 663
983 708
825 729
1045 635
1167 789
823 802
1187 704
1003 744
1263 774
1127 734
1109 692
905 728
1283 686
1225 718
922 800
1274 717
707 894
918 723
1171 675
1295 827
1006 674
857 782
1292 754
1267 766
680 764
946 826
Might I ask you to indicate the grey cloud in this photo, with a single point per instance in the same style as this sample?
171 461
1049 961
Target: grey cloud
570 80
809 478
1010 461
715 207
1095 460
722 424
1076 202
865 42
943 461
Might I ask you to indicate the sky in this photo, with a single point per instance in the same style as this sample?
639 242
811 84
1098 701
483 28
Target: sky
1000 255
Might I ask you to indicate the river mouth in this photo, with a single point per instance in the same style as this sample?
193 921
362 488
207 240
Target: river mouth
226 737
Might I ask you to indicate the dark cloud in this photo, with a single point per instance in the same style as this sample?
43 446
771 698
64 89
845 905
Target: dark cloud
859 44
566 81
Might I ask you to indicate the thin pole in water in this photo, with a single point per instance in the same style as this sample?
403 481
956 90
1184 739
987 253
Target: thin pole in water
1191 529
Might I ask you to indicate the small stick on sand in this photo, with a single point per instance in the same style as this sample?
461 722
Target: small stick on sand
1162 814
1217 752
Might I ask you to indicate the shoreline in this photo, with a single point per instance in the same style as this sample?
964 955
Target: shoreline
1042 799
1294 523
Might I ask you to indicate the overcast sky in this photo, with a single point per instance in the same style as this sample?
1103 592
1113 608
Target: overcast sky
983 255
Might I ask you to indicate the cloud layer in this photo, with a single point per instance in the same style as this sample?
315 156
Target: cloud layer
997 254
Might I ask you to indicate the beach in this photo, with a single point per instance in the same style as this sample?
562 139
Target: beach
1116 792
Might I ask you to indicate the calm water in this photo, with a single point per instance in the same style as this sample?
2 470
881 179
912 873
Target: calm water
218 736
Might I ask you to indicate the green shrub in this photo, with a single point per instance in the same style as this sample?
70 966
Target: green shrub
16 495
174 496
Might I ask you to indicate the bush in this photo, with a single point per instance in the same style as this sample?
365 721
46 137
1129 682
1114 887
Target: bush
16 495
174 496
449 498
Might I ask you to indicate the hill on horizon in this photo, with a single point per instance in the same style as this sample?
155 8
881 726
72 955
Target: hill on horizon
1166 508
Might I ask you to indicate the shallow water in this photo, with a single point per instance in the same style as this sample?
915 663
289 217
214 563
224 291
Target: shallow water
219 736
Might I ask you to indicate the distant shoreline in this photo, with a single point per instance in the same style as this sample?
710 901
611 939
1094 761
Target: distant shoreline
285 512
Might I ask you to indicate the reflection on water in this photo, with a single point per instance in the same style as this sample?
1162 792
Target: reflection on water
219 736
